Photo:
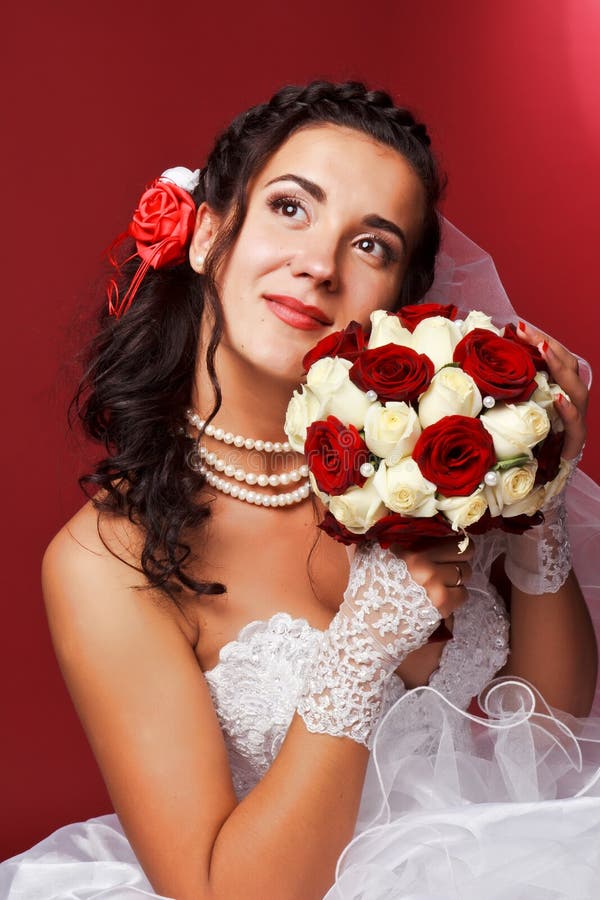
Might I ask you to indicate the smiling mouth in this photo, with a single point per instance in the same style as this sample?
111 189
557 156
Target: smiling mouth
297 314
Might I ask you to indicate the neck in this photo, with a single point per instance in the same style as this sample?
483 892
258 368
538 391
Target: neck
254 403
253 407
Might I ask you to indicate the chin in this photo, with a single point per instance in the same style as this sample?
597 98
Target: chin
280 362
290 370
279 357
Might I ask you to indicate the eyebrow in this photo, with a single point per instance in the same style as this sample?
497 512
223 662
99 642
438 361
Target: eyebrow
371 221
375 221
309 186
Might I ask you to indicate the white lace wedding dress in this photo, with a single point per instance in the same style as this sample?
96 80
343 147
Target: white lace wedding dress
454 805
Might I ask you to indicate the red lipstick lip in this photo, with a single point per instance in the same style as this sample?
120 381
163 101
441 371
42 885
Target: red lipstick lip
296 305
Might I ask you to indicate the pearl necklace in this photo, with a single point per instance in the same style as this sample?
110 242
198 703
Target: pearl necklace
228 437
221 465
199 459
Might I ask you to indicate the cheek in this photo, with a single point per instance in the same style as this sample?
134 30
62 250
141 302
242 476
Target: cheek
257 252
377 297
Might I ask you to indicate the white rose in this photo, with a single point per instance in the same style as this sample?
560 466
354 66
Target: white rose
544 395
515 428
451 392
527 507
388 329
358 508
513 485
478 319
328 380
437 337
391 431
404 490
463 511
321 494
558 484
303 409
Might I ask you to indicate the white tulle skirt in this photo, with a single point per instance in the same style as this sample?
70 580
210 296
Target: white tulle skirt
473 808
455 806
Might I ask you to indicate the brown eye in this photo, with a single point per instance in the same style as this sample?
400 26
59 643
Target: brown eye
289 207
377 247
366 244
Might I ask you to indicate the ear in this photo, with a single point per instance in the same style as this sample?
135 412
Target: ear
207 223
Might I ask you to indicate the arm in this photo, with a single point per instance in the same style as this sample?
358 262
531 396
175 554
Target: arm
552 639
146 709
554 647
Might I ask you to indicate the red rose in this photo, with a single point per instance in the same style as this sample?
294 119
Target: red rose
393 372
511 524
406 531
511 334
163 224
520 524
455 453
548 455
410 316
335 452
499 367
347 343
339 532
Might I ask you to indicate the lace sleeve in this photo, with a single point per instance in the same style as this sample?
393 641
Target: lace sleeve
385 615
538 561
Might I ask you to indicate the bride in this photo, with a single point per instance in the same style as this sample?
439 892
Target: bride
256 736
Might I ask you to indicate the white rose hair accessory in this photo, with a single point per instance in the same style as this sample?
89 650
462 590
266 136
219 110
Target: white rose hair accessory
162 226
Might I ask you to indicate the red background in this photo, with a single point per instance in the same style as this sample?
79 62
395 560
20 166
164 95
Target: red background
103 97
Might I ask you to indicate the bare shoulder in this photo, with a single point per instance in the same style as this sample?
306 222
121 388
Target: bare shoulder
91 543
94 551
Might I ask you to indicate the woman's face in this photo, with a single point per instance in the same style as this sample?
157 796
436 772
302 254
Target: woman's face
331 222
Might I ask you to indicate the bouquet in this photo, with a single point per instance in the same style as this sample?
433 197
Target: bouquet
427 425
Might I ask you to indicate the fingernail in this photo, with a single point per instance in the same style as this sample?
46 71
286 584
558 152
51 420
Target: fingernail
543 347
521 326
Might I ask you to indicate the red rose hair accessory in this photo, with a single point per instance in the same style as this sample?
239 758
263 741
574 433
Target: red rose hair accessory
162 227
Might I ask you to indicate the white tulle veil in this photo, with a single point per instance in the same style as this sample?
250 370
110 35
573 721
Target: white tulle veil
466 276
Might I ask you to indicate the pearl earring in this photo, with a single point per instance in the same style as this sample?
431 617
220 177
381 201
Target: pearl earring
200 262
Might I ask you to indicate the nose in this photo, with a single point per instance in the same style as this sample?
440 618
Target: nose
317 259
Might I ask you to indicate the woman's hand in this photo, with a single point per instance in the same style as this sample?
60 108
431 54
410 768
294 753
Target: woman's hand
564 370
442 570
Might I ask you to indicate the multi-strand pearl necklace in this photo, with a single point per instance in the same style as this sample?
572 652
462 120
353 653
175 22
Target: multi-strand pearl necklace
203 461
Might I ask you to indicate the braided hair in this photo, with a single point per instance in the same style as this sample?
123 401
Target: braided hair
138 372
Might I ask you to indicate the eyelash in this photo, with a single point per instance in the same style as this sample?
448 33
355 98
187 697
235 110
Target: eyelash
279 201
389 253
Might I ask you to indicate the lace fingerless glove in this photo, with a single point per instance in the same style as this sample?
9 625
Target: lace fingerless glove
384 616
539 560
